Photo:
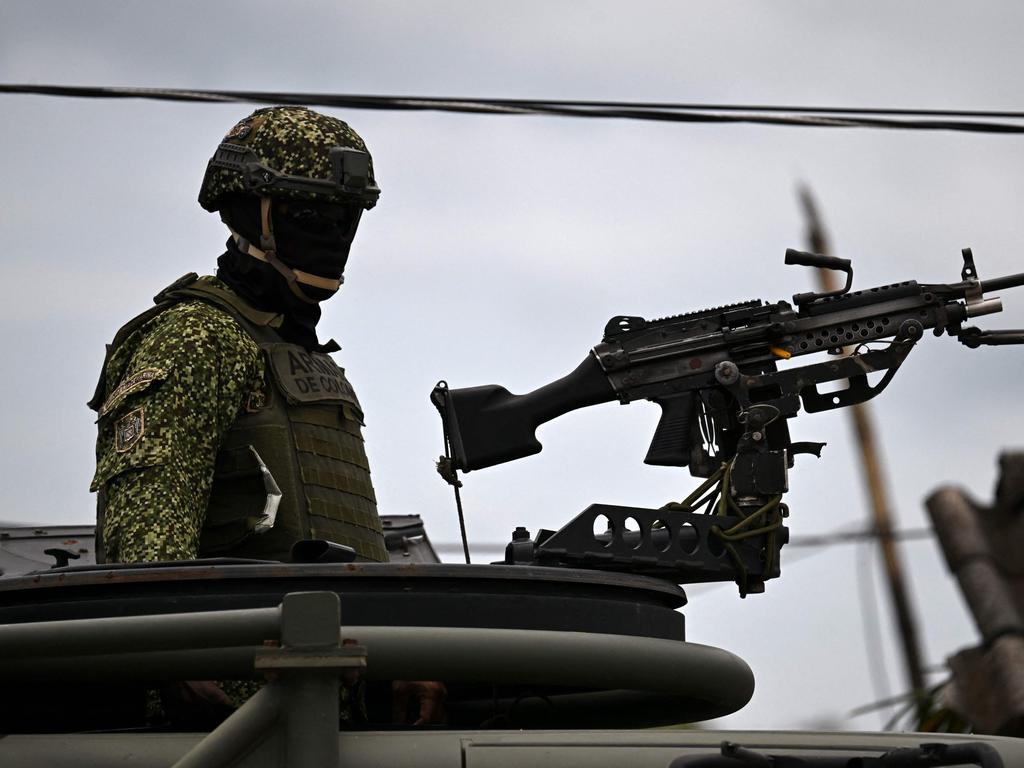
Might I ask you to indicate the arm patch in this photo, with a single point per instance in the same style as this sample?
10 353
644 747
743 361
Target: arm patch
130 384
128 430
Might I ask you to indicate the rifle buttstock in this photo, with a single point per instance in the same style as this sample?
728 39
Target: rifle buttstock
489 425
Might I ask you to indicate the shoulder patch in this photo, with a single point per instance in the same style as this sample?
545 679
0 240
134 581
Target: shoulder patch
129 430
129 384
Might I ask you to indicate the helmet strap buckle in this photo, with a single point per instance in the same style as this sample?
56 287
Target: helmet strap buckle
267 242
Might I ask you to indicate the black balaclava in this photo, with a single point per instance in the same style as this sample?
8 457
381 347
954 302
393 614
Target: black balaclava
312 237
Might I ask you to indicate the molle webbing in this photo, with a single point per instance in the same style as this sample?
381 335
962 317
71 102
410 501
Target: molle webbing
308 434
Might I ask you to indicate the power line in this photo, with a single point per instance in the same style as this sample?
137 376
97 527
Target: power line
852 537
809 542
971 121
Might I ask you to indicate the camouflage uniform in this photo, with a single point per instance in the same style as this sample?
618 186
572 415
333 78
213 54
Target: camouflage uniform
168 394
186 390
201 395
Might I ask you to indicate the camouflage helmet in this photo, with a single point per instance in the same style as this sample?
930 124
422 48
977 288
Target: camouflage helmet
291 153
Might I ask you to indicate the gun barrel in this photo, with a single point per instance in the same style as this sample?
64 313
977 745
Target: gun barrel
999 283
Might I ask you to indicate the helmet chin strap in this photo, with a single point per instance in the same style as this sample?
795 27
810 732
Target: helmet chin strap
267 252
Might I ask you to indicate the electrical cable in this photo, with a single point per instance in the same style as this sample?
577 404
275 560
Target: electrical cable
802 542
854 537
972 121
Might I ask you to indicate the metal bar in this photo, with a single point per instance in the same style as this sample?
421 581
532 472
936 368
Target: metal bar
575 659
247 727
459 654
235 663
311 719
309 622
129 633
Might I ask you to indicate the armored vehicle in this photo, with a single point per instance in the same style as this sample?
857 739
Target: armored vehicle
545 666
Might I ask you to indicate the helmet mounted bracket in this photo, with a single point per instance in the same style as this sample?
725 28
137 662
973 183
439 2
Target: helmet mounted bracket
350 174
351 168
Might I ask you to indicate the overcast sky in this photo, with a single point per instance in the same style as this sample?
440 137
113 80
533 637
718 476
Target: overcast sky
502 245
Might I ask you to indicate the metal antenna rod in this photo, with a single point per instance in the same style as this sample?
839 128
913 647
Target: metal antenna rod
450 474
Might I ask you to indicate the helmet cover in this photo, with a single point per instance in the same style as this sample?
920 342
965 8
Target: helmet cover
291 153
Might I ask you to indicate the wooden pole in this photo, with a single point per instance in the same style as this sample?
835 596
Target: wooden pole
874 478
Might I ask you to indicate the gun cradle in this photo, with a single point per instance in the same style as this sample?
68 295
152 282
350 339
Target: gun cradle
684 547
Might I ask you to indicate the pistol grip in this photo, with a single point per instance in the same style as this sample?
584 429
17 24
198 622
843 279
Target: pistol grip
671 444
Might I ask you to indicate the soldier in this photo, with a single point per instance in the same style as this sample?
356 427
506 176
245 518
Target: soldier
225 428
222 392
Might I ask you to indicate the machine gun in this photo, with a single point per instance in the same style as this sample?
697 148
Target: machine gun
725 408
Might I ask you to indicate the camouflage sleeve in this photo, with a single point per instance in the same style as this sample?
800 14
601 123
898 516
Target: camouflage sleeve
184 378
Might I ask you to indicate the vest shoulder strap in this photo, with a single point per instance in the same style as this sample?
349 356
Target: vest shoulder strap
126 330
230 302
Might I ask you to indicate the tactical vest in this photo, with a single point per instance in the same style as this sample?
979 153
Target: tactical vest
305 429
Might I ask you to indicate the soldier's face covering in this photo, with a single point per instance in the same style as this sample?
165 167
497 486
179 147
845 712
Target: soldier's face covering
314 237
311 237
